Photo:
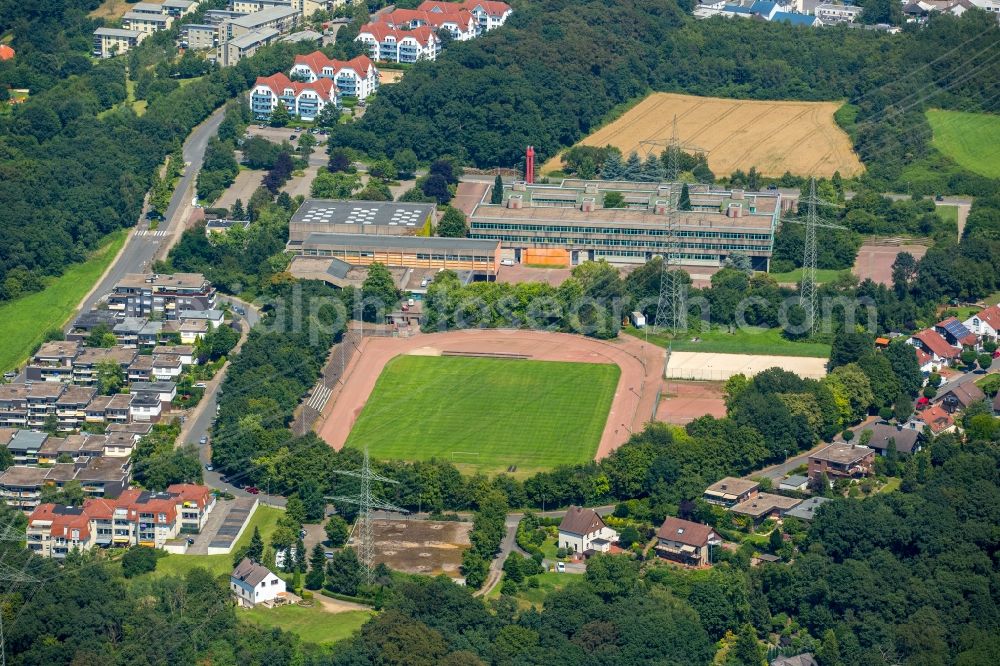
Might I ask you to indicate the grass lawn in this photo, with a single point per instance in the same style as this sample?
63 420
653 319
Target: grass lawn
891 484
750 340
265 518
549 582
24 322
948 213
485 414
312 624
968 138
823 275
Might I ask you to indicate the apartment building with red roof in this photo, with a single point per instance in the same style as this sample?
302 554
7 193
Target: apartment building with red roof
136 518
305 100
457 21
489 14
357 77
388 44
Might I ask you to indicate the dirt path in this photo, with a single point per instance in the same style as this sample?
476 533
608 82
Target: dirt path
337 606
632 406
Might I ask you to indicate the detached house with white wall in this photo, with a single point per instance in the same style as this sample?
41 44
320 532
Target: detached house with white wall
253 584
583 530
985 323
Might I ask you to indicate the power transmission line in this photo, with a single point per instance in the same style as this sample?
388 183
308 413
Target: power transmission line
670 310
10 533
366 502
807 294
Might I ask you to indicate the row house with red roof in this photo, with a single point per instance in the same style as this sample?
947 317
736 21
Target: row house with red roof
305 100
357 77
136 518
388 44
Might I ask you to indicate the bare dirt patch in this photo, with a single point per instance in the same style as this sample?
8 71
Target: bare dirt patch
874 261
421 546
682 401
775 137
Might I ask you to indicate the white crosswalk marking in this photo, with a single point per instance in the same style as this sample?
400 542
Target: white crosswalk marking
159 233
319 397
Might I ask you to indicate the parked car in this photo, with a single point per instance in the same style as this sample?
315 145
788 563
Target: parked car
328 555
506 262
203 441
253 490
209 467
561 567
939 198
200 385
293 137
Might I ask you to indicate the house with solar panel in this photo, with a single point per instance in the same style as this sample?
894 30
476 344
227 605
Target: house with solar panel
956 333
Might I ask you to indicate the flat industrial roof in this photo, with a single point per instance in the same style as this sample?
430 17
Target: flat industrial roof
400 242
619 217
362 213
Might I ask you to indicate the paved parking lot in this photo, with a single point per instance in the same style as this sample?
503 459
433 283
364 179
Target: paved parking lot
279 134
223 526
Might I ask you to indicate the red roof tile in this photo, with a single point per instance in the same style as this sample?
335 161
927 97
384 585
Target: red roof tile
317 60
684 531
278 83
933 341
991 316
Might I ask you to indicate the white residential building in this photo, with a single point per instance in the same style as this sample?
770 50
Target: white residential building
582 530
252 584
386 43
829 13
356 77
985 323
109 42
147 22
305 100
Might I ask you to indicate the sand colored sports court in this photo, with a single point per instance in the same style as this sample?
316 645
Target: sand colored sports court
704 366
633 404
774 136
684 401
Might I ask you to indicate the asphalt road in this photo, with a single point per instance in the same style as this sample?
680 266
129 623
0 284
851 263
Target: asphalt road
142 245
205 418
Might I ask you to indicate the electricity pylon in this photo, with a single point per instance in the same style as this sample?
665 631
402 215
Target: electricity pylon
670 310
807 293
8 575
366 502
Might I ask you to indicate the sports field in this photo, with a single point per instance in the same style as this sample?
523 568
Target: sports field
775 137
487 414
971 139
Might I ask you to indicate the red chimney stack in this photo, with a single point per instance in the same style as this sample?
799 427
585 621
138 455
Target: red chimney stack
529 171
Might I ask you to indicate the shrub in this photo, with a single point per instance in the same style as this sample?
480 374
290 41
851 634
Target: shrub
140 560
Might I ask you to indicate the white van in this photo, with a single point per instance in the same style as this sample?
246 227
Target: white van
507 262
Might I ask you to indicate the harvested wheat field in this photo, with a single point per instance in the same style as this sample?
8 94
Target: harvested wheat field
775 137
